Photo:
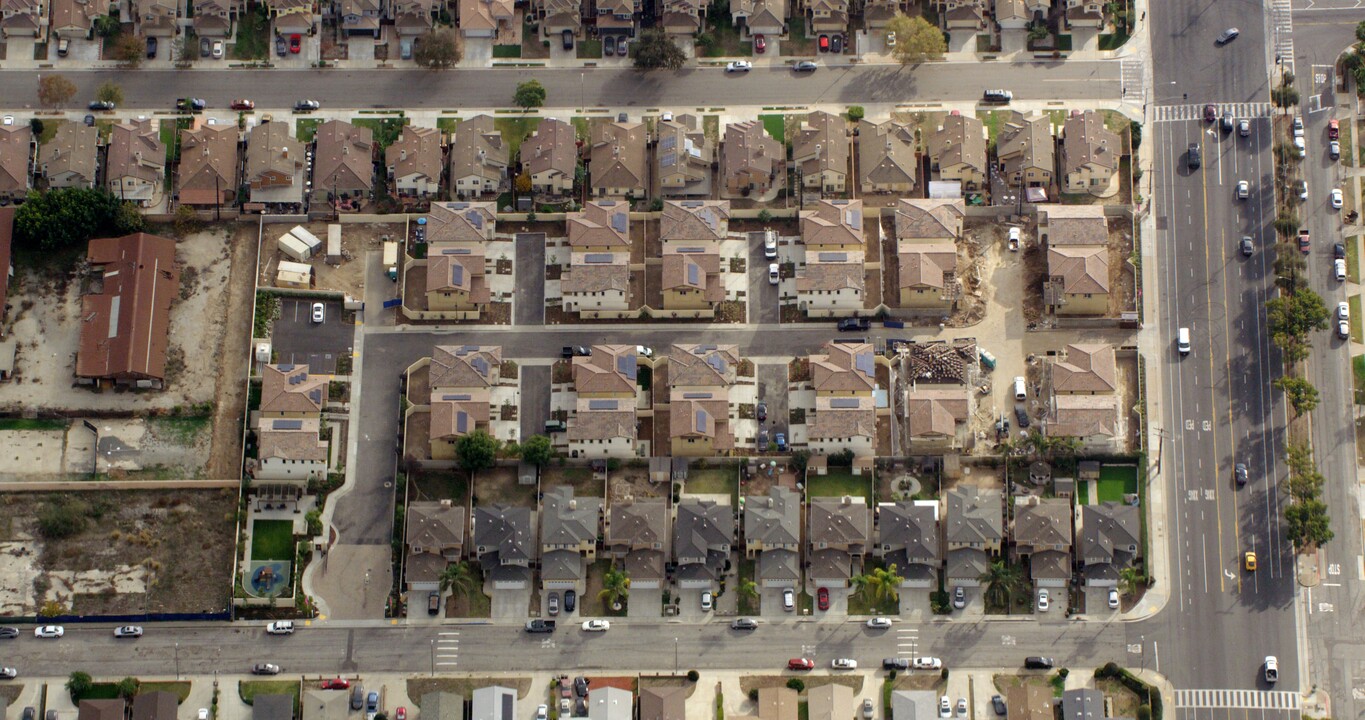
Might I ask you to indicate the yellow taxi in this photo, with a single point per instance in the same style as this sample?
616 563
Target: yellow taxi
1249 561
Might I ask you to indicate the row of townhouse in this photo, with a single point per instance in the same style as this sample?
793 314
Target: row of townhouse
1084 158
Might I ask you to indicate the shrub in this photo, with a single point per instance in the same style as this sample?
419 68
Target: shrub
692 675
1144 712
856 112
797 684
753 694
60 520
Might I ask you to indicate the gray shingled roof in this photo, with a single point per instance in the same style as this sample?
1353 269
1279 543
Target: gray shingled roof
974 515
567 520
910 529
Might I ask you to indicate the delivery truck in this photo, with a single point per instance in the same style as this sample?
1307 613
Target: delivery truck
391 260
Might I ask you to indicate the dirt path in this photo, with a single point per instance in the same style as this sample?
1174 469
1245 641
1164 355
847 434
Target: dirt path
229 407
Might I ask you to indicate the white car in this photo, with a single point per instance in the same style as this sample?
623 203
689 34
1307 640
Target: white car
945 707
962 707
1113 599
879 623
1015 236
280 627
128 631
542 712
1339 269
217 49
707 601
1272 669
844 664
1343 313
1302 147
891 39
596 626
53 632
1336 198
203 714
774 273
643 351
739 66
1298 127
1044 602
1243 189
1343 329
770 245
319 312
8 673
788 600
926 663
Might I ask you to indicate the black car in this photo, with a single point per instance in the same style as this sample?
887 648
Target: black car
572 351
805 66
1038 663
30 713
89 121
762 412
1240 471
762 440
1192 157
1227 121
151 47
281 47
854 324
205 47
1021 415
1210 112
895 664
101 105
836 44
570 600
580 686
434 603
568 39
9 632
744 624
998 704
1338 251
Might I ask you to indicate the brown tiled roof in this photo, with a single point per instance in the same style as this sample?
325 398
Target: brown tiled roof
291 389
592 421
847 367
1084 269
456 413
417 152
465 366
693 267
961 141
926 264
1086 141
610 369
553 147
618 155
1087 368
124 327
694 416
208 164
929 219
472 222
1026 141
484 14
843 417
831 271
821 144
71 152
413 15
702 365
886 151
682 147
749 150
1073 225
273 156
1010 10
695 220
74 14
211 17
135 150
761 13
601 223
935 412
20 17
16 150
476 147
606 271
344 157
666 703
1084 416
101 709
458 267
300 441
833 222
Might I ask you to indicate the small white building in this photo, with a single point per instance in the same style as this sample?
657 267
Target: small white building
295 248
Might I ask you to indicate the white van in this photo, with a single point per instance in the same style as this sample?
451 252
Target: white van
1020 392
1182 341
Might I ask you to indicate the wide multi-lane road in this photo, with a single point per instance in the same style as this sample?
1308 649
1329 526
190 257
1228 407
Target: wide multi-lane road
597 87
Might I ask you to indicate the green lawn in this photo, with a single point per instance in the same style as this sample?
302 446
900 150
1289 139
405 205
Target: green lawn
797 44
180 688
506 51
776 125
272 540
447 125
49 131
1356 320
1114 481
582 127
253 36
840 482
1345 138
386 130
1358 370
747 605
992 120
723 41
101 691
858 606
1353 258
515 129
1113 41
306 128
589 49
31 424
1082 493
713 481
249 689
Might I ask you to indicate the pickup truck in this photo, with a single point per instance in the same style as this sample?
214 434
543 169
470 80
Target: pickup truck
540 626
1303 241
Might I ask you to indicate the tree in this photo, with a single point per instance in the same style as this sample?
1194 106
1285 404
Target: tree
879 585
55 90
67 217
1129 579
655 50
437 50
457 577
748 589
1302 396
476 451
110 92
523 183
1291 317
529 95
1002 581
128 50
1308 524
78 685
187 221
796 684
917 40
615 588
1360 32
856 112
537 450
127 687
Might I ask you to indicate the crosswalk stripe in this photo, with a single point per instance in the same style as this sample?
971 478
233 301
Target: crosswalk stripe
1180 113
1238 699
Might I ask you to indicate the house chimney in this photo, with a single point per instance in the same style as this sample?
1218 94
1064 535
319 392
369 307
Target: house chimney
284 152
573 504
402 155
345 149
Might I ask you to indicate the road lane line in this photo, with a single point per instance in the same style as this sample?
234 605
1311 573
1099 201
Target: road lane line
1208 307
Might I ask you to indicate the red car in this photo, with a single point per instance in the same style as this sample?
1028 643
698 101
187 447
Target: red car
1333 129
243 105
824 43
295 43
822 598
400 714
336 684
800 664
760 44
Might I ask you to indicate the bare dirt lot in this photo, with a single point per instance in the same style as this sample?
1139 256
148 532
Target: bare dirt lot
127 552
348 275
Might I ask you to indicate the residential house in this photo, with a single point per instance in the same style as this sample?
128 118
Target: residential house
550 155
619 164
343 160
462 222
1030 702
434 538
1012 14
155 705
821 151
494 703
927 233
637 537
486 18
1042 536
695 221
157 18
318 704
616 17
936 419
601 226
603 423
1077 281
833 282
1084 14
1084 399
568 537
292 17
214 18
759 17
907 537
208 165
839 531
71 157
556 16
275 164
124 325
972 531
691 232
703 534
887 159
610 703
664 703
597 282
827 15
1025 150
1107 540
23 18
414 162
845 415
830 702
361 18
288 431
1085 369
1090 153
113 709
441 706
414 17
75 19
774 703
752 162
456 281
957 151
914 705
878 13
504 544
772 534
683 157
478 157
700 381
135 164
461 379
683 17
16 161
1083 704
962 14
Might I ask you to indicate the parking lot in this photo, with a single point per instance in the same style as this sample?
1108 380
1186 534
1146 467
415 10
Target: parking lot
298 340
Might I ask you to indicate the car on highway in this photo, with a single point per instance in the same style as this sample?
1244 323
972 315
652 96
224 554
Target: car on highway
1339 270
128 631
739 66
1247 246
1243 189
962 707
945 707
1192 156
760 44
895 663
1228 121
843 664
243 104
879 623
265 669
101 105
788 598
1239 471
1038 662
1336 198
596 625
867 709
52 632
1272 669
1249 561
998 705
1044 601
707 601
926 662
743 624
774 273
336 684
1228 36
307 105
805 66
959 597
1113 599
854 324
9 633
280 627
1334 150
800 664
1210 112
822 598
8 673
217 51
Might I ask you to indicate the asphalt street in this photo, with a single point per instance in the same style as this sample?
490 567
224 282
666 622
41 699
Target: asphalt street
420 89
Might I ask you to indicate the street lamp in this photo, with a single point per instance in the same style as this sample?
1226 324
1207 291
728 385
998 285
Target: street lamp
433 658
675 656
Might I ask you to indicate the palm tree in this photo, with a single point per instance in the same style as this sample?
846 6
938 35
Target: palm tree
1129 579
748 589
879 585
457 577
1002 581
615 588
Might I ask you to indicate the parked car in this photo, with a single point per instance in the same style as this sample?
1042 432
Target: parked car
800 664
552 604
1113 599
1336 198
879 623
824 43
739 66
774 273
295 43
997 96
217 49
570 600
280 627
822 598
9 633
998 705
763 441
1343 311
1334 150
760 44
891 39
8 673
836 43
707 601
743 624
1036 662
572 351
358 697
265 669
1297 127
542 712
1021 415
307 105
805 66
762 412
844 664
621 47
402 714
609 46
101 105
788 599
336 684
926 662
962 707
1343 329
372 702
434 603
1339 251
895 663
52 632
151 48
205 47
128 631
959 597
596 625
770 245
319 312
945 707
567 38
1333 129
243 105
580 686
281 46
854 324
1044 601
781 440
867 709
1339 270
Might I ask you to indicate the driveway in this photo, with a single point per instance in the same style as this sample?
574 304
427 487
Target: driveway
529 303
772 390
915 605
838 605
771 605
762 294
689 606
1097 604
535 399
976 605
298 340
645 603
509 604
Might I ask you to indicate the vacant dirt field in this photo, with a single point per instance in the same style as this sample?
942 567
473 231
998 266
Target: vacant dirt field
129 552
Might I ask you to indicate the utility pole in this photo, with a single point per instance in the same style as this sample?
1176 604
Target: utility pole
177 661
433 658
675 656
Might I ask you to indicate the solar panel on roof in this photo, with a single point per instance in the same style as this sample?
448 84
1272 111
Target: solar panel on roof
855 219
668 142
691 250
864 362
701 420
705 348
592 258
697 396
461 421
286 368
832 257
601 404
692 203
457 274
475 219
844 403
315 395
480 365
693 274
620 222
717 362
626 366
669 159
457 205
457 397
287 425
